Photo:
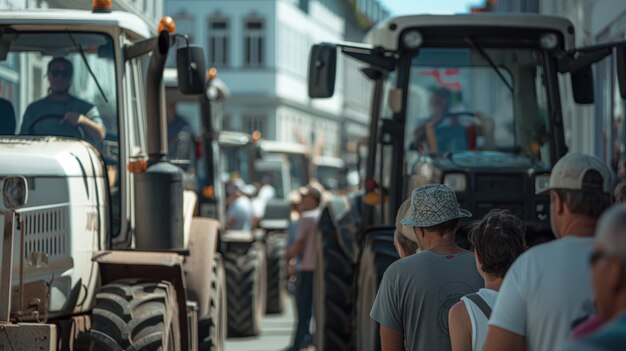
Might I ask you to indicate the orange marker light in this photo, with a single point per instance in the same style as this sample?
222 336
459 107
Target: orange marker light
212 73
139 166
167 24
208 192
101 6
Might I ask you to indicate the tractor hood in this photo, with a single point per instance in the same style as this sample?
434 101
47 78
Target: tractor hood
48 156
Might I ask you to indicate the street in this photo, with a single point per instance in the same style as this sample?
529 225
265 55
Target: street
275 333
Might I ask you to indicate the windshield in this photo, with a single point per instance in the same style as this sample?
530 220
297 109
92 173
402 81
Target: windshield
46 79
332 178
235 161
458 101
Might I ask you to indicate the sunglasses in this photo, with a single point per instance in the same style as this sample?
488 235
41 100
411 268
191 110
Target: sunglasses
596 256
60 73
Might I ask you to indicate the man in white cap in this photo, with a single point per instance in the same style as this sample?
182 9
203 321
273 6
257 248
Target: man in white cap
417 292
404 239
547 291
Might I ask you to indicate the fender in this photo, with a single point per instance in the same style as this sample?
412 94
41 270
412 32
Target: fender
198 266
155 266
341 215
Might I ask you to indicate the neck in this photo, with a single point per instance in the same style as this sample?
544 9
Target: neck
444 244
579 225
492 282
60 95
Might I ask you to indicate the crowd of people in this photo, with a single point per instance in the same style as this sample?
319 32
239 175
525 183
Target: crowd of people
568 294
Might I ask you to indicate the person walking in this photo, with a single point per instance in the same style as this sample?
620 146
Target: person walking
417 292
498 239
305 245
547 291
608 276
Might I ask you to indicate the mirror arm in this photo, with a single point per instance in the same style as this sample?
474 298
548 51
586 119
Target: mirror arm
582 58
138 49
375 57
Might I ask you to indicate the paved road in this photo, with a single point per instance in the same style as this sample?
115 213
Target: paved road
275 333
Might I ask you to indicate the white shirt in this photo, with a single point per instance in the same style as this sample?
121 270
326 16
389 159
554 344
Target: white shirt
241 209
545 292
478 318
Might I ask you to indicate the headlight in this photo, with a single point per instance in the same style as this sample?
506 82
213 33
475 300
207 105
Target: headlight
549 41
14 192
412 39
542 182
456 181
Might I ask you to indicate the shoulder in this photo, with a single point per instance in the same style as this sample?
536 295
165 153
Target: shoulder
81 103
458 311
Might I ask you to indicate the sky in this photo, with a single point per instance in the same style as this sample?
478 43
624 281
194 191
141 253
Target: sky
403 7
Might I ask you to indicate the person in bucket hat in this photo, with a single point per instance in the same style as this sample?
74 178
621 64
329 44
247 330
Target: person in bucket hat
417 292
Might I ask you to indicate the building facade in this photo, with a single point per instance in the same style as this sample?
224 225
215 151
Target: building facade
260 49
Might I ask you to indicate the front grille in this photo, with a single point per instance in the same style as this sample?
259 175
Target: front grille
499 183
45 231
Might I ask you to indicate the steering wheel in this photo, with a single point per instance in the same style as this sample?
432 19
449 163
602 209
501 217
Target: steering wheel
51 125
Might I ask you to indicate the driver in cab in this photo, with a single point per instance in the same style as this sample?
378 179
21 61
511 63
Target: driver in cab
61 108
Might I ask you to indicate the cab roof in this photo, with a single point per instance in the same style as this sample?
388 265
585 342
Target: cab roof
386 34
73 18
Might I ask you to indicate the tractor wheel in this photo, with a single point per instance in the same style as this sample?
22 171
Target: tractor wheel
378 254
212 330
245 282
276 273
334 295
135 315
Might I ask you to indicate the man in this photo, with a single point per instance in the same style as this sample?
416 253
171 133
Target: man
498 239
619 195
403 238
72 111
240 213
305 245
608 275
416 292
440 102
547 291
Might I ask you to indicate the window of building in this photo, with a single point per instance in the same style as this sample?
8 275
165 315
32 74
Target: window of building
254 42
218 42
254 122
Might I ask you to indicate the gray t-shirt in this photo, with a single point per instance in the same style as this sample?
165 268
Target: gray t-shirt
417 292
48 106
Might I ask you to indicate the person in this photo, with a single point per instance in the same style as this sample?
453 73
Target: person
71 110
240 212
440 102
293 265
619 195
608 276
179 136
547 292
403 238
310 199
498 239
7 117
416 292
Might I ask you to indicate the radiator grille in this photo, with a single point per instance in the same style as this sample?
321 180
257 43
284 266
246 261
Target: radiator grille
45 230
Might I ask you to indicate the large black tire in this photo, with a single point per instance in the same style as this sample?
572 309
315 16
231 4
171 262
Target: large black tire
135 315
212 330
245 286
276 274
378 253
334 294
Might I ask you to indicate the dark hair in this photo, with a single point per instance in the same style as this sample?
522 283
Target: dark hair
60 59
498 239
591 201
445 227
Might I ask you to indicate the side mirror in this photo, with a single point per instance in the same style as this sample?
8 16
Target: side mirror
620 56
322 70
191 69
582 85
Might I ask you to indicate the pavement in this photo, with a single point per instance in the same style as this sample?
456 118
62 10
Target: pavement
276 332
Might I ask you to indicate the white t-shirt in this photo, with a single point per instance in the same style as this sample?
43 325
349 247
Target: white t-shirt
478 318
545 292
241 209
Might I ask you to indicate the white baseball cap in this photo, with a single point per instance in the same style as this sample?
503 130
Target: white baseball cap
569 173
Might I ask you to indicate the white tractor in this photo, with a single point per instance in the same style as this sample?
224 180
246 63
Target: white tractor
100 248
